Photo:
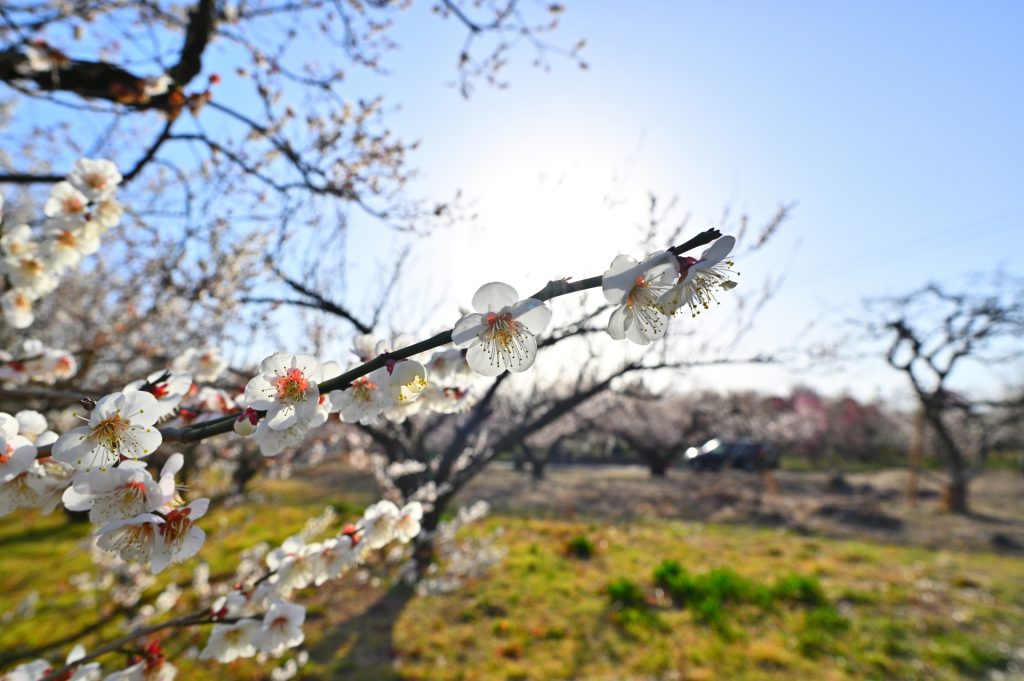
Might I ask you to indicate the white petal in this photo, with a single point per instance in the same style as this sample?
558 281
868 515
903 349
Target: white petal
619 279
533 313
494 296
719 250
277 363
199 508
140 408
467 330
309 366
617 323
174 463
480 362
281 416
259 393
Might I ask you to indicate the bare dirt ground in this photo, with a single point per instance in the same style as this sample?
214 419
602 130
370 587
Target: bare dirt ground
866 505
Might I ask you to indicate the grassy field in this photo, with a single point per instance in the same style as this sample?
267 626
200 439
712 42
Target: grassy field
583 599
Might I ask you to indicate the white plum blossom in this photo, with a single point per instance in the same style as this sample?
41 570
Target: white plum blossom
41 669
297 565
501 334
121 492
30 671
338 554
286 389
31 273
17 493
17 454
378 524
107 213
228 642
273 442
204 365
698 279
230 605
47 480
31 424
168 387
17 241
408 379
449 366
120 425
636 288
133 539
66 205
96 178
408 524
17 308
364 346
67 246
365 399
282 628
178 538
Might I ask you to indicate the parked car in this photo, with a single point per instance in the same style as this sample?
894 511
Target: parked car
749 455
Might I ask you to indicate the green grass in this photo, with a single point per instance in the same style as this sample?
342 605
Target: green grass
653 597
580 547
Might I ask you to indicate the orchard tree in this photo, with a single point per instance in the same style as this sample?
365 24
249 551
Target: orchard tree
932 332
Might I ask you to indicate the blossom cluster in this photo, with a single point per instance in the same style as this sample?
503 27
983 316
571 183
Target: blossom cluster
77 213
283 402
34 362
241 632
648 292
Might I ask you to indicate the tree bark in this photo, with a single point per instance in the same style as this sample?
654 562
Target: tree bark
954 497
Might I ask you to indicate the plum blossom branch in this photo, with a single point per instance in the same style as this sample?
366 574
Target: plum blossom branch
553 289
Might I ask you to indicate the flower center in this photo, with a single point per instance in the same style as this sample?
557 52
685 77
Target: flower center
111 431
292 386
135 542
6 456
31 267
22 302
73 204
67 239
176 526
505 339
96 180
362 389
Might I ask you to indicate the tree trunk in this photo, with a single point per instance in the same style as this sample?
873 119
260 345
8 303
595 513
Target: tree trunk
916 456
537 469
424 551
954 497
658 466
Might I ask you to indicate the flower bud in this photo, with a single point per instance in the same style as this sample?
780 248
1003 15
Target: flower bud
245 424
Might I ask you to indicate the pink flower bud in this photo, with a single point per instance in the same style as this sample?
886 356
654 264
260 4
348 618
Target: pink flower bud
245 424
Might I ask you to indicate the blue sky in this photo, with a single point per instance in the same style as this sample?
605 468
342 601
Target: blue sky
898 127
